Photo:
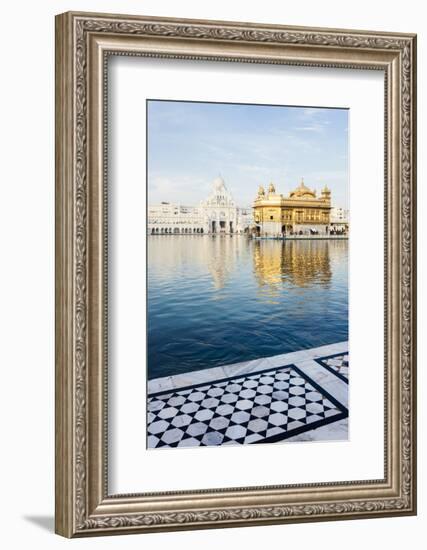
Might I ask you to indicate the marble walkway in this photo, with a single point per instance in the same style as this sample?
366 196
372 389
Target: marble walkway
298 396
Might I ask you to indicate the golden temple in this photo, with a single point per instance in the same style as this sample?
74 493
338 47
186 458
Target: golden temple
301 212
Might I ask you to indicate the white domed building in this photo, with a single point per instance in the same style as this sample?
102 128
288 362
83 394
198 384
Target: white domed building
218 214
219 209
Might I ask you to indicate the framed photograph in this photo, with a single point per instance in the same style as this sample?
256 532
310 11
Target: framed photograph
235 274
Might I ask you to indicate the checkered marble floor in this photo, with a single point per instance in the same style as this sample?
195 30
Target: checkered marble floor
260 407
337 364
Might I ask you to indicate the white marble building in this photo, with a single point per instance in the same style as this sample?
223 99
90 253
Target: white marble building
218 214
339 218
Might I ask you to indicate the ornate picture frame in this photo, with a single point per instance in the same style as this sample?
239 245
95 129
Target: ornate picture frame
84 42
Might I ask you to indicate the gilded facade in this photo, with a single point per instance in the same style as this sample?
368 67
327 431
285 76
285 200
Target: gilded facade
301 212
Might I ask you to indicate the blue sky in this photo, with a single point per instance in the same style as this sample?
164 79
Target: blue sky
190 144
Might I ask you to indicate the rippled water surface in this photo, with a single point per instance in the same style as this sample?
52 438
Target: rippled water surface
219 300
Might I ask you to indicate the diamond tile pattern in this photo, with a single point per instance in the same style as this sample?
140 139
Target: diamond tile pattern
337 364
261 407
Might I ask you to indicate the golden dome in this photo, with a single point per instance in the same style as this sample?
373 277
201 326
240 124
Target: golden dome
302 192
271 188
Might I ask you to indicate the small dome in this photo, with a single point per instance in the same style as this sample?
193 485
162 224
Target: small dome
218 184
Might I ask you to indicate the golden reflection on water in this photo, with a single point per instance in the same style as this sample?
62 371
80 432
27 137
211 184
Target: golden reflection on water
275 263
299 263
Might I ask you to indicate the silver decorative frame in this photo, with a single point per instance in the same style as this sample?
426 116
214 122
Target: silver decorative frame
83 42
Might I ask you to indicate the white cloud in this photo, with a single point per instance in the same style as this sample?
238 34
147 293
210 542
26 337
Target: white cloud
309 112
312 128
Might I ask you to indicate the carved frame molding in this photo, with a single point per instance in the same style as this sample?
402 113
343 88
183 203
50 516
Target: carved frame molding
83 44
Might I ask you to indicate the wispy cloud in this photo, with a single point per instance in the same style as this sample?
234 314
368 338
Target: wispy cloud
309 112
312 128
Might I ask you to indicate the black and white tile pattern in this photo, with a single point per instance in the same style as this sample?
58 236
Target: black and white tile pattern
261 407
338 364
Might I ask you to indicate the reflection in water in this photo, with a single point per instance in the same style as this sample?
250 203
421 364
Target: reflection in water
217 255
219 300
277 263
